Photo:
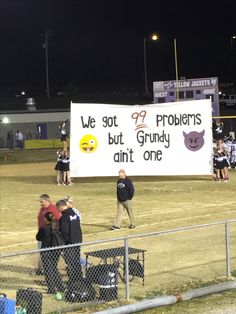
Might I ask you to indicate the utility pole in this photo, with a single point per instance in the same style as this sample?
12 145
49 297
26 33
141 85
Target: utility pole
154 37
232 59
46 62
145 65
176 70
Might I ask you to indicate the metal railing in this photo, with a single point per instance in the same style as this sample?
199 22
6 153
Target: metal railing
134 266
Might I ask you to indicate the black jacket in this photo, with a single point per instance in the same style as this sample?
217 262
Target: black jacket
125 189
70 227
50 236
44 235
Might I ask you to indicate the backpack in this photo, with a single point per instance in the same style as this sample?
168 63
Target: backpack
81 291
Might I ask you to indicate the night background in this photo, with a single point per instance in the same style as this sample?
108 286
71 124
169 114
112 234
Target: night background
97 46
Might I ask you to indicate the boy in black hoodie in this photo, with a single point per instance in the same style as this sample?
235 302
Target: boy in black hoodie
72 234
125 193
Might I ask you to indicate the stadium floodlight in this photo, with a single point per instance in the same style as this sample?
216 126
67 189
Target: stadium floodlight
5 120
232 38
154 37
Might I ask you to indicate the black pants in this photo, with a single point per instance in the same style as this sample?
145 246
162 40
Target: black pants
74 270
52 276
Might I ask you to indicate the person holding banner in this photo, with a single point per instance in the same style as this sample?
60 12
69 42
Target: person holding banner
125 193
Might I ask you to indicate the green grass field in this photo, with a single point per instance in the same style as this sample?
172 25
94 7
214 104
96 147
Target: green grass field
175 262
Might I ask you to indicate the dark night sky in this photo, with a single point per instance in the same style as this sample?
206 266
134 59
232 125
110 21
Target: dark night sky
99 44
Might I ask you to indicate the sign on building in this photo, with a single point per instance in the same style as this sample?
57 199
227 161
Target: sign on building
203 88
157 139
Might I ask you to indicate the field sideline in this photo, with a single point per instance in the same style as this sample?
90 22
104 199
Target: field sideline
160 203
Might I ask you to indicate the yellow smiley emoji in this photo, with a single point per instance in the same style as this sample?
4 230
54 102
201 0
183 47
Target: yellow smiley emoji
88 143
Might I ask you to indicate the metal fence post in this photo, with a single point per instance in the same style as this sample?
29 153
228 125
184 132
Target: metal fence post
227 250
126 268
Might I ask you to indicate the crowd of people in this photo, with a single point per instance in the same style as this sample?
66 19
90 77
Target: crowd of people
60 226
15 140
224 153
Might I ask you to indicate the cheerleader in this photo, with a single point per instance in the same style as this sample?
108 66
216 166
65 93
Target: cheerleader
58 167
233 154
220 165
66 169
214 175
226 165
70 204
218 132
62 127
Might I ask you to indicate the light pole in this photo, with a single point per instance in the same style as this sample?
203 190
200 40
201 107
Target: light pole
176 70
48 33
154 37
46 63
232 61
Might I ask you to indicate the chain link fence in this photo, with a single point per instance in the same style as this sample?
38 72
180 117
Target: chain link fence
118 269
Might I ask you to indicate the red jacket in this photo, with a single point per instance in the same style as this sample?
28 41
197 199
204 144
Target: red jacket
51 208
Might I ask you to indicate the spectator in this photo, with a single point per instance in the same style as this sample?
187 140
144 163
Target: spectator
70 204
19 139
28 135
72 234
50 236
10 140
46 206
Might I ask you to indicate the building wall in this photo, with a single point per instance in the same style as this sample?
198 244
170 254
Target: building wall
37 116
27 123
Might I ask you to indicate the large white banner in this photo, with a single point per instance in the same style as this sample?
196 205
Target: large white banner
158 139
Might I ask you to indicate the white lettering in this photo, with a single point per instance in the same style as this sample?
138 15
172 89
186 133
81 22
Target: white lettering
209 91
161 94
201 83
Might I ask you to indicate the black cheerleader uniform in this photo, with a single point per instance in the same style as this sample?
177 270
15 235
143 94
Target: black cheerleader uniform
220 163
66 164
59 164
63 135
226 162
218 132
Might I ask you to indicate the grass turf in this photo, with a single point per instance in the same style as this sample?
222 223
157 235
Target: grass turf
172 262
